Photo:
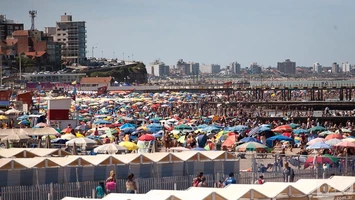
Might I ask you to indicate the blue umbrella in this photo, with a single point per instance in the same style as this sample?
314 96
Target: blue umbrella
101 121
202 126
270 140
299 131
23 117
127 125
319 145
249 139
159 134
210 129
24 122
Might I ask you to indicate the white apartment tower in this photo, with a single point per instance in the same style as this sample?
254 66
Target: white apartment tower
345 67
72 35
317 68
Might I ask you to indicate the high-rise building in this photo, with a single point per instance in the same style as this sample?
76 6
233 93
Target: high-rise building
335 68
346 67
184 67
235 68
317 68
255 68
7 27
72 35
160 69
195 69
287 67
215 68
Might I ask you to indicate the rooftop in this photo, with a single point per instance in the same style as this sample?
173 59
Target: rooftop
92 80
20 33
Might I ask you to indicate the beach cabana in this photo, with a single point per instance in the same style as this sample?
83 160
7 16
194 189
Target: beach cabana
162 157
191 156
37 162
115 196
218 155
133 158
102 160
7 164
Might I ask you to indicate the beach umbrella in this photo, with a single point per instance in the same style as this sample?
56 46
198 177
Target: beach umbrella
202 126
317 160
344 130
12 111
315 140
109 148
249 139
270 140
159 134
325 133
81 127
23 117
127 126
332 158
146 137
129 145
111 131
333 142
210 129
183 127
251 146
15 137
346 144
41 125
81 142
293 125
283 128
334 136
68 136
101 121
319 145
297 161
349 139
317 128
258 130
299 131
238 128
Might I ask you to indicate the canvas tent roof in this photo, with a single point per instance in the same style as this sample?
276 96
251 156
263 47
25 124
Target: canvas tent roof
115 196
10 164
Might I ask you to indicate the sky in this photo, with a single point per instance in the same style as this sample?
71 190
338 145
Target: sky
206 31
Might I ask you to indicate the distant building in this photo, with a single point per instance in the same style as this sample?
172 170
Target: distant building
160 69
54 78
195 69
346 67
93 83
287 67
335 68
72 35
215 68
184 67
317 68
255 68
235 68
7 27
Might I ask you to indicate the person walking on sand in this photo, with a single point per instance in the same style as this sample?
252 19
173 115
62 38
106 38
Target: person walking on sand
131 186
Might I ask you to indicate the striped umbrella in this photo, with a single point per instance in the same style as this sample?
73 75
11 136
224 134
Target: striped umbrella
251 146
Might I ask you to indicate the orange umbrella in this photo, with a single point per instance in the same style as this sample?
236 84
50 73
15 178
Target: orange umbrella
283 128
334 136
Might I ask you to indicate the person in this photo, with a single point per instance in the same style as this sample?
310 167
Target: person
230 179
196 181
107 140
260 180
131 186
289 173
100 190
111 182
203 182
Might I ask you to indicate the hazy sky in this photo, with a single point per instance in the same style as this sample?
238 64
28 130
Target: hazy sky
207 31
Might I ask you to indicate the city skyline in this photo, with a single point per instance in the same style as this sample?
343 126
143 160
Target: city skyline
265 32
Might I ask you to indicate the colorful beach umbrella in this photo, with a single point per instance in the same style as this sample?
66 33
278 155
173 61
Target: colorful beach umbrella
146 137
319 145
251 146
346 144
129 145
334 136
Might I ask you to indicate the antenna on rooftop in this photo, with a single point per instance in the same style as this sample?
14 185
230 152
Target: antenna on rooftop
33 15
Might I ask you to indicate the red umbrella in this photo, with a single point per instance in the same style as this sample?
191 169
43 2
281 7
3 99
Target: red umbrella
146 137
345 144
287 134
317 159
334 136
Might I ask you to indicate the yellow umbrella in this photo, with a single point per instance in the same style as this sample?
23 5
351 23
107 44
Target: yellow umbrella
129 145
3 117
79 135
